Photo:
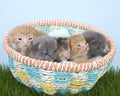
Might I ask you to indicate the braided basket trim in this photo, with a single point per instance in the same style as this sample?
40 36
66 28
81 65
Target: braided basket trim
54 66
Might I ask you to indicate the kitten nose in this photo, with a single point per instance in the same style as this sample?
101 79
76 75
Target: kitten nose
50 56
65 56
85 49
25 44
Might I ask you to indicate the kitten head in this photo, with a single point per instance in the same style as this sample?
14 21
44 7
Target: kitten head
44 48
22 36
78 45
96 43
63 49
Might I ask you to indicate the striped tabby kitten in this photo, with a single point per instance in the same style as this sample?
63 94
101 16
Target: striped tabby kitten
78 48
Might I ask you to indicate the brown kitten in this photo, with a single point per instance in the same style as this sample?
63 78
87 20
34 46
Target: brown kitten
78 48
21 38
63 49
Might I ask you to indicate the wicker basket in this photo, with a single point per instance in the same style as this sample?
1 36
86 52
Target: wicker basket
53 77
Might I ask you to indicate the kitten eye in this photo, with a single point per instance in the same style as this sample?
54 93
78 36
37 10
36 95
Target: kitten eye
79 45
97 48
86 43
93 42
30 38
55 50
19 39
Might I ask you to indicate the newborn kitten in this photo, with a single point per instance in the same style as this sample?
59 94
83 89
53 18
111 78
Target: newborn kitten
21 38
78 48
44 48
63 49
97 43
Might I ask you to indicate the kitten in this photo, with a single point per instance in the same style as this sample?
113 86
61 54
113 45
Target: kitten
21 38
63 49
44 48
78 48
97 43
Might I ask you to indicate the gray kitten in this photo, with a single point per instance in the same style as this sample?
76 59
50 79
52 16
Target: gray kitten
97 43
44 48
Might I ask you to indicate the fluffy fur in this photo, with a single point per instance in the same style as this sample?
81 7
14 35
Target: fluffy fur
21 38
97 43
44 48
78 48
63 49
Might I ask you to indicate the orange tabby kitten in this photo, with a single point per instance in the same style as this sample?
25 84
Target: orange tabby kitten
78 48
21 38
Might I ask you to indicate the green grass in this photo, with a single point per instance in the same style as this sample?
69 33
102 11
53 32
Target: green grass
108 85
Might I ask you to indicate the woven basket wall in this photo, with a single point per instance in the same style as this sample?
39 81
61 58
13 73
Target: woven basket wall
53 77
